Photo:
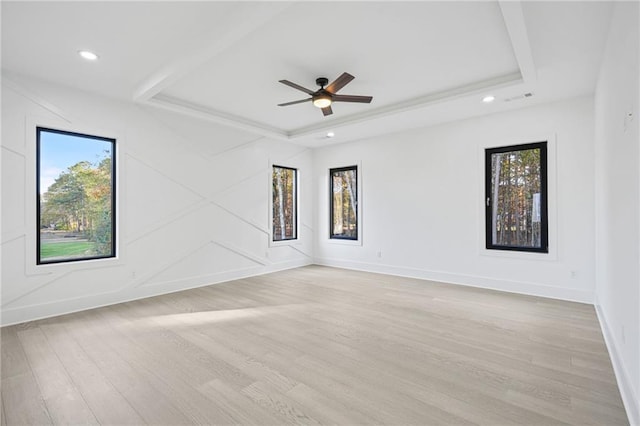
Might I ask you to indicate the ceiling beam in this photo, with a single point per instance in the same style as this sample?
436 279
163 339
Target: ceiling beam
245 19
517 29
199 111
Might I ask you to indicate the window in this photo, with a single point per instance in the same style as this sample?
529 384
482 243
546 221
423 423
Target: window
516 198
284 203
344 203
75 183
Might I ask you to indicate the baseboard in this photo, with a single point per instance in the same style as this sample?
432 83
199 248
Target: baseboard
510 286
629 398
22 314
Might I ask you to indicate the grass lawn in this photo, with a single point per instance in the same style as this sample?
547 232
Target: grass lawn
65 248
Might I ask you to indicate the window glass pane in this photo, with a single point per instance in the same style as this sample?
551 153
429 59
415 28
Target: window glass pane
344 203
75 196
516 198
284 203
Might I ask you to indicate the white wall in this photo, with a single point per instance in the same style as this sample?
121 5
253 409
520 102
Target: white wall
618 201
193 203
422 203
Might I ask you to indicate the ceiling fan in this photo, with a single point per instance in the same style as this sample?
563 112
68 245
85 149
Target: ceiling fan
324 97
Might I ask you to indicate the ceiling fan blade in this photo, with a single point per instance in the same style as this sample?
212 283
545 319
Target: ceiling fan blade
339 82
352 98
297 86
327 110
295 102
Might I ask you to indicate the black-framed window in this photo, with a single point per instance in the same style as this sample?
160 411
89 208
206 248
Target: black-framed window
516 198
343 184
284 203
75 196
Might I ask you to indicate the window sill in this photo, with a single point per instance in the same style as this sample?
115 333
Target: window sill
72 266
344 241
522 255
283 243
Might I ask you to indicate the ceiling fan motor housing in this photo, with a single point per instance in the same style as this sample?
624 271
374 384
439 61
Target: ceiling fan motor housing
322 81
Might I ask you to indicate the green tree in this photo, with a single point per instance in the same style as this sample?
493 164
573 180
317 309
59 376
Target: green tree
79 200
63 203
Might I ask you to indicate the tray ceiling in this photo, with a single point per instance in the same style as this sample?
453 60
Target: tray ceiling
423 62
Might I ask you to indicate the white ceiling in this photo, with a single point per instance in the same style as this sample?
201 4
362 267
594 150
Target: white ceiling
423 62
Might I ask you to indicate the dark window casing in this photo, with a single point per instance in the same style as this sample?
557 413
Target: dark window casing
515 219
110 241
343 202
284 203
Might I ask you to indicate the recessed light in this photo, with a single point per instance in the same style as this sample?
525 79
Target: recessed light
330 134
488 99
90 56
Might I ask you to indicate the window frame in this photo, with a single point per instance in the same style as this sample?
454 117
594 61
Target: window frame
544 197
295 205
114 189
332 236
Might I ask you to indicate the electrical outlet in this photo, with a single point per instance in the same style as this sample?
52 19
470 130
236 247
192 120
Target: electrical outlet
628 119
574 274
379 253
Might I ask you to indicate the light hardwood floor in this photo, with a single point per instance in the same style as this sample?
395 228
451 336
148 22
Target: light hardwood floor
314 345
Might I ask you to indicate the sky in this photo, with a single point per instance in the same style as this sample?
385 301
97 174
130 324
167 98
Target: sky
58 152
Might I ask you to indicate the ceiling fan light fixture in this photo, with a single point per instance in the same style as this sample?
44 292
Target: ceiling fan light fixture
322 101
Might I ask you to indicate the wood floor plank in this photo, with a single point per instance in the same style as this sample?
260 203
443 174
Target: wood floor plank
279 404
500 358
103 346
167 370
14 361
252 367
65 403
239 407
177 354
22 401
262 372
267 362
359 401
106 403
315 345
498 362
3 417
